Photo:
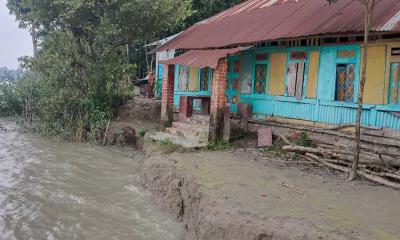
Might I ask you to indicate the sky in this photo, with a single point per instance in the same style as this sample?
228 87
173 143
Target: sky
14 42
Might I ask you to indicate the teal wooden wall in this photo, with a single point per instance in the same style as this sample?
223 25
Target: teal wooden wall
324 108
178 94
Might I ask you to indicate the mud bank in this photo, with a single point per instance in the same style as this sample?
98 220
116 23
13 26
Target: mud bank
208 212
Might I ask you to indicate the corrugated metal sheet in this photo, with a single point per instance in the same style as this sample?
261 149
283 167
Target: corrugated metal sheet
203 58
261 20
320 113
387 120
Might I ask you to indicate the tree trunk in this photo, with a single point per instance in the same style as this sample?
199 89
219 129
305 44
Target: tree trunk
367 21
34 36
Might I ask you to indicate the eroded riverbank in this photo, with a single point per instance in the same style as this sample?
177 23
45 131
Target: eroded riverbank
219 195
58 190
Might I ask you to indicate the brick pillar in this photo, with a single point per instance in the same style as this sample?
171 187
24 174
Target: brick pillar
167 102
218 101
185 108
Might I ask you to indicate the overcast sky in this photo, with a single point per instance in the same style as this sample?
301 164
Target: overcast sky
14 42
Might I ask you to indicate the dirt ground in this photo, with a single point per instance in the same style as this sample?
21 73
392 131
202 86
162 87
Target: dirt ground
139 113
248 183
359 209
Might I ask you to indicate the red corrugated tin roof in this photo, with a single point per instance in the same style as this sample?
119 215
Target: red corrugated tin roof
256 21
203 58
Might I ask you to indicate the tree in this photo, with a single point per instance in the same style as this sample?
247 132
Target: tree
369 6
26 13
81 65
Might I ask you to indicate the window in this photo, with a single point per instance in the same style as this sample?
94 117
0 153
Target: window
183 78
260 79
345 76
204 79
246 75
394 93
260 73
295 74
395 51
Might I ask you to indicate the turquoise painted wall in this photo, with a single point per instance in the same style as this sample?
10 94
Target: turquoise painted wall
160 73
178 94
323 109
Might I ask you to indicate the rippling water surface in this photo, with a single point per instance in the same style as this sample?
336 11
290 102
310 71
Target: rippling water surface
57 190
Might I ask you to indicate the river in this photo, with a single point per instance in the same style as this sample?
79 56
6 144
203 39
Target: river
57 190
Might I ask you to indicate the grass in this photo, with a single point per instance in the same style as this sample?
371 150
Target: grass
304 140
142 132
276 150
167 146
219 146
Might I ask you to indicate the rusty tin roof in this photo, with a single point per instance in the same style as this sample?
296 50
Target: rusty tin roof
256 21
203 58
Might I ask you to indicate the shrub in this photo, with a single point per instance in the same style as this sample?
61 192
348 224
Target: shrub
142 132
304 140
167 146
219 146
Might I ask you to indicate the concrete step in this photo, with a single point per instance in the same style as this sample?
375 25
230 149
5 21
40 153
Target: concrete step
201 136
196 127
199 119
178 140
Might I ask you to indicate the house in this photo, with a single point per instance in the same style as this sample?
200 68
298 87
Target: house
287 59
160 56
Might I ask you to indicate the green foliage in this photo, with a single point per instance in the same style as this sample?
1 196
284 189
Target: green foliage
89 50
9 101
304 140
276 147
82 72
219 146
167 146
142 132
202 9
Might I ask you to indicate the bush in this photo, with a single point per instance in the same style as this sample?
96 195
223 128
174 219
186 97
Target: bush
219 146
304 140
167 146
142 132
9 101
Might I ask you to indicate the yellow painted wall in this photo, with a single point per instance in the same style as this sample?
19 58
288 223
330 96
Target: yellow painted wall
312 80
374 92
277 74
193 79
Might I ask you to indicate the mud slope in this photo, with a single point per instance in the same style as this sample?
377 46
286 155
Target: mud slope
208 215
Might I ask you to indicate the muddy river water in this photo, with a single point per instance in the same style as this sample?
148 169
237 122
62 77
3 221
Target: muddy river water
56 190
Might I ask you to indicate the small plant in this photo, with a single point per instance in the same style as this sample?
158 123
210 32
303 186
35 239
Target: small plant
304 140
276 146
167 146
142 132
219 146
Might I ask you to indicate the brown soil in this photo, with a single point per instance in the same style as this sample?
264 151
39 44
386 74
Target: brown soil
137 115
239 195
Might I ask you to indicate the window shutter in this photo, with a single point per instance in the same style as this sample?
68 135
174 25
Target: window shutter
291 79
395 83
183 77
246 75
299 80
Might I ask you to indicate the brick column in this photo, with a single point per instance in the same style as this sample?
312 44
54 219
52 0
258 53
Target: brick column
218 101
185 108
167 102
